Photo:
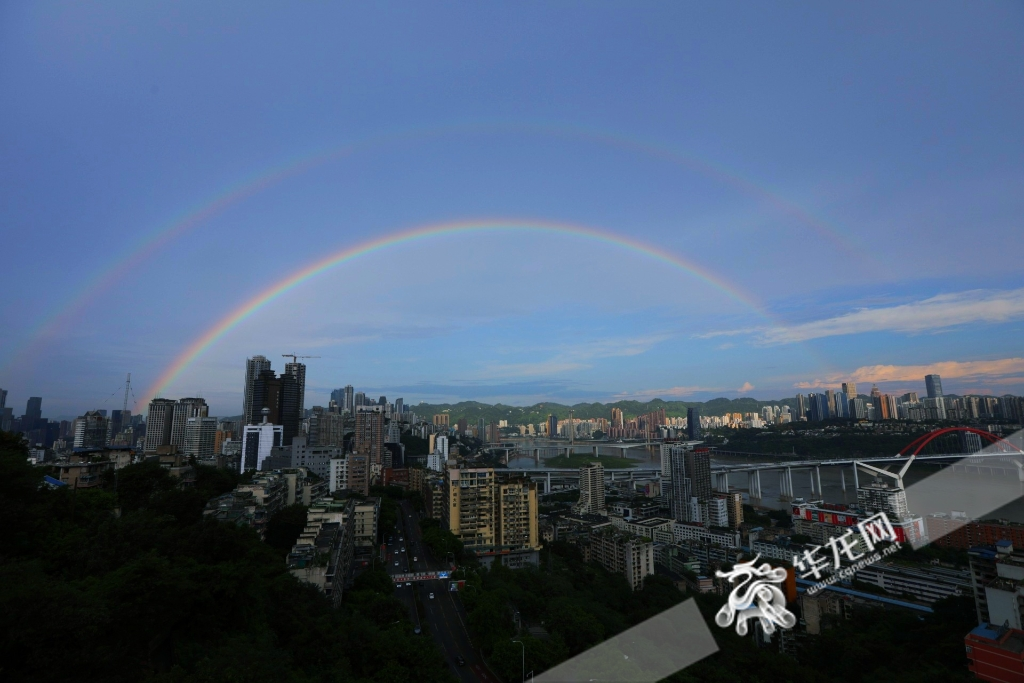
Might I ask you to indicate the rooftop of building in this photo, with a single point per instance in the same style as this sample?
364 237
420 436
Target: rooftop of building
1008 639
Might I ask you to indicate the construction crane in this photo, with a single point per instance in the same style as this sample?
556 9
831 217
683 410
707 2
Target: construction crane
295 358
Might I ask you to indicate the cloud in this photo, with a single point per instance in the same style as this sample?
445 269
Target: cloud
575 356
1001 371
671 392
937 313
747 386
545 367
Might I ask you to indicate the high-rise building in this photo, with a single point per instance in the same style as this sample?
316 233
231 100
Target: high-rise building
359 473
493 433
298 371
399 407
517 527
282 397
470 511
818 408
693 423
591 490
462 425
801 407
91 430
200 436
343 398
552 426
369 436
183 410
840 405
3 399
442 420
254 367
850 389
617 420
349 402
691 483
330 429
258 441
734 508
933 385
33 413
120 420
358 400
159 419
623 554
481 429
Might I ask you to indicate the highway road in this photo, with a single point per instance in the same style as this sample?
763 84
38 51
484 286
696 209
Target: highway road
444 618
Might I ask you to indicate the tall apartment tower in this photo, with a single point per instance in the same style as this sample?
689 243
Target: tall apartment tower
254 367
281 396
470 511
933 385
616 418
369 436
801 407
91 430
517 527
257 442
591 490
850 389
552 426
298 371
399 406
348 404
693 423
3 399
691 484
33 413
159 419
183 410
200 436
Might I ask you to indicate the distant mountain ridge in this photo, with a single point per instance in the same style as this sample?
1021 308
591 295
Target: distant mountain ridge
538 413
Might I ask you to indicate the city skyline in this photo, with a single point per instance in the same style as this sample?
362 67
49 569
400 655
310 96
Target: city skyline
504 228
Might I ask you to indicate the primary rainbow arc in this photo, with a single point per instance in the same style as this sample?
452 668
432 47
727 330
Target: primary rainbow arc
225 324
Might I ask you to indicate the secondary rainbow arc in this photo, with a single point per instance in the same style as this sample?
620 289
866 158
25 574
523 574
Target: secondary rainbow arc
186 221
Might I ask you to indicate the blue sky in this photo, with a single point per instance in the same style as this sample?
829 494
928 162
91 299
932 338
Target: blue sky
856 171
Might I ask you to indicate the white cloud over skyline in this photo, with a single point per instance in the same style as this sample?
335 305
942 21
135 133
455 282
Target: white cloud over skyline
1000 371
939 312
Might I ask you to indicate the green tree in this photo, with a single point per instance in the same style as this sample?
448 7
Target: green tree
284 527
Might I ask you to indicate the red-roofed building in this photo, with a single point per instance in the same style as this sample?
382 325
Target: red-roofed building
996 654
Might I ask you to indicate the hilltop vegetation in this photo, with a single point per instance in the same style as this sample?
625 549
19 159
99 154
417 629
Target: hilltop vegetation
538 413
159 594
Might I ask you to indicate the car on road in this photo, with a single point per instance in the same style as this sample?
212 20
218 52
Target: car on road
403 549
417 630
431 596
396 552
408 584
414 558
460 661
396 564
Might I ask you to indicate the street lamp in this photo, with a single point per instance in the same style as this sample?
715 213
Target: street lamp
524 657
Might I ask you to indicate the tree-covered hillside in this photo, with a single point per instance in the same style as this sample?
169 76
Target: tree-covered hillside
159 594
538 413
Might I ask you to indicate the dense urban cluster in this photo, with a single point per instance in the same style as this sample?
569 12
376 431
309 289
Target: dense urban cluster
330 487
